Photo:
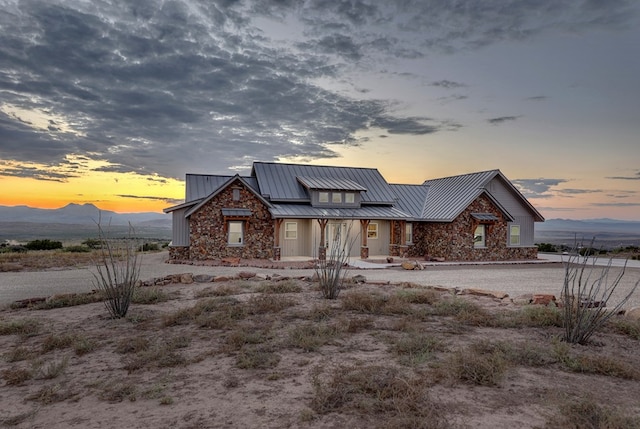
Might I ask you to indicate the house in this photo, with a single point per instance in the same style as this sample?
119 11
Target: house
293 210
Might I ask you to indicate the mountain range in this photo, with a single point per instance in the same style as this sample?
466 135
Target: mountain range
81 214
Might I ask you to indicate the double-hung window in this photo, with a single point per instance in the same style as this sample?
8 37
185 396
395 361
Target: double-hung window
236 233
290 230
480 237
514 235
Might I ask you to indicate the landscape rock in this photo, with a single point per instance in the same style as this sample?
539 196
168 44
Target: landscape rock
246 274
202 278
412 265
525 299
633 314
483 292
359 278
217 279
544 299
186 278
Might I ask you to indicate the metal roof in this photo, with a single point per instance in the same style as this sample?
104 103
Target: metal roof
306 211
202 185
411 199
236 212
484 216
330 183
278 181
449 196
220 188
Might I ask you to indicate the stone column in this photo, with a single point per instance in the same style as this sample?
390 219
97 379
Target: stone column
276 253
364 252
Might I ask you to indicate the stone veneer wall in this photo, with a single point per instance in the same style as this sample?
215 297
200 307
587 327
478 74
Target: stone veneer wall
454 240
178 253
207 233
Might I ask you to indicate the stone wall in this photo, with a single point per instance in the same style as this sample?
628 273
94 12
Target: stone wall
454 240
179 253
207 230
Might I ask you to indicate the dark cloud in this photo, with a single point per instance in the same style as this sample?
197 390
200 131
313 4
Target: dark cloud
502 119
142 197
537 188
616 204
448 84
571 191
634 177
170 87
537 98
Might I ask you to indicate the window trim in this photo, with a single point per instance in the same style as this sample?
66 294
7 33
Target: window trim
229 232
336 198
480 244
294 230
323 197
408 233
512 236
372 233
349 195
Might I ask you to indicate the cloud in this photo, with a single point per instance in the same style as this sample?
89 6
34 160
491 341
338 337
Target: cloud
634 177
502 119
168 87
616 204
143 197
448 84
537 98
537 188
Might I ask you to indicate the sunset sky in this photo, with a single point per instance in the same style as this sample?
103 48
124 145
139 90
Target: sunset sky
113 102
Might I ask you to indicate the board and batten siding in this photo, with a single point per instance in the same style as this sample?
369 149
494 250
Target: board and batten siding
300 246
180 230
515 207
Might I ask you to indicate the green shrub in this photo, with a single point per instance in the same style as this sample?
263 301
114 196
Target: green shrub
77 249
45 244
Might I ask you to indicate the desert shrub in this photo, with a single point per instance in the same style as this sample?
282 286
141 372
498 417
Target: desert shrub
415 348
19 353
245 335
57 341
464 311
311 336
15 376
157 356
149 247
533 316
363 302
419 296
332 270
133 345
586 413
118 272
22 327
628 327
69 300
83 345
54 369
383 394
585 295
593 364
261 304
119 391
256 358
77 249
546 247
92 243
482 364
285 286
223 290
152 295
45 244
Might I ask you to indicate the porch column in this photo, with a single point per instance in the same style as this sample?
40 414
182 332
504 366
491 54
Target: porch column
322 250
402 245
364 249
277 223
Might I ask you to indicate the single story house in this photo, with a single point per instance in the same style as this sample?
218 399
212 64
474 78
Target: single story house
294 210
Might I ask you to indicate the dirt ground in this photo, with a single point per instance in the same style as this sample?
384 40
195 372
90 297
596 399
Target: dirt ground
272 353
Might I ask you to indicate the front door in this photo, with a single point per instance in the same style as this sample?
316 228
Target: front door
336 237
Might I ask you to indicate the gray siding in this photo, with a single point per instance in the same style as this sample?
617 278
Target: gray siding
513 204
180 230
300 246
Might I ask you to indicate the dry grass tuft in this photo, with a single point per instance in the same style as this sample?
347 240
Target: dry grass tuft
588 414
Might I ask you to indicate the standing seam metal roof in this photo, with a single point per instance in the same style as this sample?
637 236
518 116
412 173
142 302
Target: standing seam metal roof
330 183
278 181
202 185
411 199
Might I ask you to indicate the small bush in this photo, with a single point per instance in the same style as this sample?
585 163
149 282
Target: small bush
17 354
223 290
45 244
149 296
628 327
149 247
415 348
54 342
262 304
256 358
16 376
69 300
475 365
77 249
586 413
54 369
23 327
311 336
133 345
285 286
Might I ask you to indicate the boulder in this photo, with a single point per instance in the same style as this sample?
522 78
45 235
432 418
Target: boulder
483 292
202 278
409 265
186 278
633 314
246 274
220 279
544 299
359 278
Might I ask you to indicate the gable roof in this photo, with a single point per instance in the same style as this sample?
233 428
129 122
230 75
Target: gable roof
200 186
220 188
449 196
278 182
330 183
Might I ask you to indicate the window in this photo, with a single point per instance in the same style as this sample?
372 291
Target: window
349 197
323 197
514 235
235 233
408 233
372 231
236 194
479 238
336 197
290 230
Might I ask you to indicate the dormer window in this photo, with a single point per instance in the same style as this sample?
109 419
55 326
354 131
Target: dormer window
349 197
323 197
336 197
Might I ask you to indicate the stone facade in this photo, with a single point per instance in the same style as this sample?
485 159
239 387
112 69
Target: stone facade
208 232
453 241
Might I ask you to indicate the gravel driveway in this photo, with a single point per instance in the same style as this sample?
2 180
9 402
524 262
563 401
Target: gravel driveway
542 276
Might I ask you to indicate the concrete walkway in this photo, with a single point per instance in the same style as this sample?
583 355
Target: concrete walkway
545 275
